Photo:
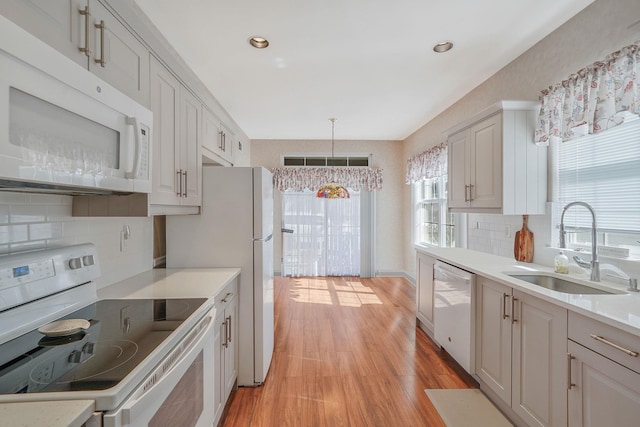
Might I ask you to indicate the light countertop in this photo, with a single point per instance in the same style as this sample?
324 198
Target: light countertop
172 283
621 310
66 413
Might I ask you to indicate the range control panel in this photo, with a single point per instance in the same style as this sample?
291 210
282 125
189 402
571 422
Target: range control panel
27 276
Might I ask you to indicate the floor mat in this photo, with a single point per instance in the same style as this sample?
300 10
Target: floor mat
466 408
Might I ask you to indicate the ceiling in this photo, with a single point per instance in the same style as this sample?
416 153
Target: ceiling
369 63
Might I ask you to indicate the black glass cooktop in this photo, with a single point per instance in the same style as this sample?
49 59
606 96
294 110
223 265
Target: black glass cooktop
121 334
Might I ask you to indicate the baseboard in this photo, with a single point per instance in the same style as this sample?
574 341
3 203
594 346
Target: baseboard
391 273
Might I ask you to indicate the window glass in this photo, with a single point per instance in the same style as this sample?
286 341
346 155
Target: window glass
603 171
433 225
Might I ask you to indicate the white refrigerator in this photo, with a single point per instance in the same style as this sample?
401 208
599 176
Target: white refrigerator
235 229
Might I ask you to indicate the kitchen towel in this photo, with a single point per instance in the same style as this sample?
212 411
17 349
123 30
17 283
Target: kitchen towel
466 408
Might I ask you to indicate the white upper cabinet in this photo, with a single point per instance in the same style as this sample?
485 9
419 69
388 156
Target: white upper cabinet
177 172
494 166
217 139
86 32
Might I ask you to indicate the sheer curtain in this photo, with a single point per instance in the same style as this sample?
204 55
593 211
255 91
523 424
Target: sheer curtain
326 235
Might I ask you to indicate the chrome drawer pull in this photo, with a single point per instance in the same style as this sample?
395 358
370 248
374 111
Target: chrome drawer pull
226 297
614 345
570 385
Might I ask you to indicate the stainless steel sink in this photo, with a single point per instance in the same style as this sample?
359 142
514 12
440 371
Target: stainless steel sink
560 285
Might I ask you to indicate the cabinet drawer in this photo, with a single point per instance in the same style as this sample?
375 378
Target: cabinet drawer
606 340
225 295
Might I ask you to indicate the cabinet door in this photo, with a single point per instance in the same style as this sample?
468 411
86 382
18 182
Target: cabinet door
57 23
424 290
231 351
165 93
210 129
117 56
486 163
458 165
539 361
218 366
493 336
605 393
190 161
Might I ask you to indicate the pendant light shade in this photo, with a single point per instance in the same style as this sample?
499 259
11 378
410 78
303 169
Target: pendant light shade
332 190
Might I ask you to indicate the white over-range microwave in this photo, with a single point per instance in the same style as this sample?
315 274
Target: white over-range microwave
64 129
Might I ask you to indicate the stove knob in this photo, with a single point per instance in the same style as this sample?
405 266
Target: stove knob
75 357
88 260
88 348
75 263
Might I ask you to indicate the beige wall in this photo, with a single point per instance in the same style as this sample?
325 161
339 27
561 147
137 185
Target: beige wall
389 218
602 28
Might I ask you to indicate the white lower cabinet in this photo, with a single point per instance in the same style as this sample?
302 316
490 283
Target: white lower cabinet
604 379
226 347
521 356
424 291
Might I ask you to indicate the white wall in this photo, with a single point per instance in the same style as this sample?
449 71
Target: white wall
41 221
389 218
602 28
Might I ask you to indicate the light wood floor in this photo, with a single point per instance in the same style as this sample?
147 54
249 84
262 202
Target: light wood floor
347 353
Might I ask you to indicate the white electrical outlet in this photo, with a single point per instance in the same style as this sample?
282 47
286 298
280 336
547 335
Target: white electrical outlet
507 231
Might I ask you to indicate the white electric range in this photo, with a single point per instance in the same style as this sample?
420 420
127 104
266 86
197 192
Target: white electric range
135 358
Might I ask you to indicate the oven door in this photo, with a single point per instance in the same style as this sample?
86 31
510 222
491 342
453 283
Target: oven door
180 390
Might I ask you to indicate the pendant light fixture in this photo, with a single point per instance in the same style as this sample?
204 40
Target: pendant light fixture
332 190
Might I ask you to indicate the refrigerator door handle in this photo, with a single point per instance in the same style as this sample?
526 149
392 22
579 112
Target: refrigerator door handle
264 239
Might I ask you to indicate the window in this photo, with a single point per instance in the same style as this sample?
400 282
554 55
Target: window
602 170
317 161
433 225
325 235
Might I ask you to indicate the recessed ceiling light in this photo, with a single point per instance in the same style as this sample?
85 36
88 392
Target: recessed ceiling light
258 42
443 47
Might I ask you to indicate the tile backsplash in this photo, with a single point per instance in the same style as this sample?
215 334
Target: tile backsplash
495 234
38 221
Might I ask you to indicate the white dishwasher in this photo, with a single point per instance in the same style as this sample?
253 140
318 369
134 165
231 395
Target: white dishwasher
453 313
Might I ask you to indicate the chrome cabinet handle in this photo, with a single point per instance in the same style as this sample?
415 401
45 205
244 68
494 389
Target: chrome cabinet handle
179 182
513 310
504 306
184 174
470 192
228 340
85 13
225 344
466 199
101 60
570 385
614 345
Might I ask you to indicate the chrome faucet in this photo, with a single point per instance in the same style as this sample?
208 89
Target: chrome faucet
595 264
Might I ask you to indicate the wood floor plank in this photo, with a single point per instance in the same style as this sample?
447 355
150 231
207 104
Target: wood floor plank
347 353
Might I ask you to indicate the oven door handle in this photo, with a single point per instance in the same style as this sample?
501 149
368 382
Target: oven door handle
165 376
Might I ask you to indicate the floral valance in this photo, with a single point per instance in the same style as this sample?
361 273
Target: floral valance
593 99
355 178
428 164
